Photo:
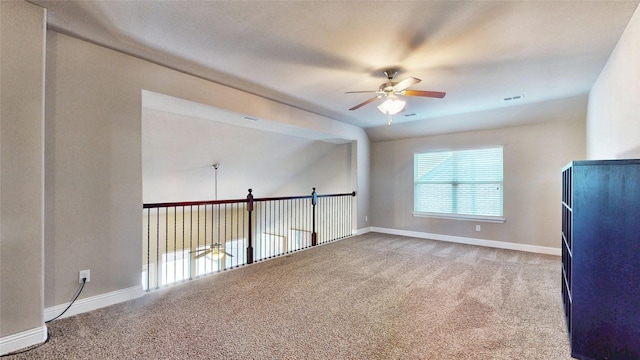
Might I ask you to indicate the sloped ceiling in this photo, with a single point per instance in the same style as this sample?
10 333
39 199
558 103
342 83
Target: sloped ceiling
309 53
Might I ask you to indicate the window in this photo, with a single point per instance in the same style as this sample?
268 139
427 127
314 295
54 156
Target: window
464 184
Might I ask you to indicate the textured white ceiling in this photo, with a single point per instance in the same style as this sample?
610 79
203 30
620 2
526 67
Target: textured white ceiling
309 53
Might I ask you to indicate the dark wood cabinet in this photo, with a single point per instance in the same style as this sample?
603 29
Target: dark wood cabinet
601 258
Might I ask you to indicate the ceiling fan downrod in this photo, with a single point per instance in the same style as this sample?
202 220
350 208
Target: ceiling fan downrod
391 73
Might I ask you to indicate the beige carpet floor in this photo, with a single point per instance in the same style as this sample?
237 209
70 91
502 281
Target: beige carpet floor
372 296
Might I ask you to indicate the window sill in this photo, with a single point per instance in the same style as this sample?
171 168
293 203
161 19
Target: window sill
478 218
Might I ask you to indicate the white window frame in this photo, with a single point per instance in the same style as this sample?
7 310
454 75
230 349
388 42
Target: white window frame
457 216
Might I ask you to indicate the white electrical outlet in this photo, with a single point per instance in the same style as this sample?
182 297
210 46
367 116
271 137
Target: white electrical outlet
84 274
477 227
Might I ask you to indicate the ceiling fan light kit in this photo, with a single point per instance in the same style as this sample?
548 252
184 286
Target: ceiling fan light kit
390 90
392 106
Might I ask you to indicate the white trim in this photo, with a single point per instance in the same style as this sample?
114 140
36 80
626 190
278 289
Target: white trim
472 241
94 302
361 231
24 339
478 218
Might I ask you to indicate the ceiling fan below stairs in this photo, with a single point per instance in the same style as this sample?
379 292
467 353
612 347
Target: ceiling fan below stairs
213 251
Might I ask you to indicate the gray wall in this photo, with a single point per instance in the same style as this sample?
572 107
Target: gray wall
21 157
613 122
533 158
94 158
178 152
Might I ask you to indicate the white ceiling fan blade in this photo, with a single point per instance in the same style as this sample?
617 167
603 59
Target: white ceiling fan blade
406 83
366 102
204 253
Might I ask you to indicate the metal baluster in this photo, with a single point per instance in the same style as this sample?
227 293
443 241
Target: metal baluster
281 220
240 241
284 236
328 228
234 238
300 222
157 248
204 258
191 267
230 236
322 232
326 225
322 204
271 230
225 230
218 239
198 237
344 206
183 254
296 220
330 225
346 215
148 248
214 240
332 217
289 231
175 224
244 235
265 208
166 238
329 218
351 213
336 216
307 223
234 211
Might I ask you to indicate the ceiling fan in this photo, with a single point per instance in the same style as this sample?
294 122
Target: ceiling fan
391 90
213 251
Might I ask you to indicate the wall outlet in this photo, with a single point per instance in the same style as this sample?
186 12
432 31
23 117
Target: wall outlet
84 274
477 227
366 218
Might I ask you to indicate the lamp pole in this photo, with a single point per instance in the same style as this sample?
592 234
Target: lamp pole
215 167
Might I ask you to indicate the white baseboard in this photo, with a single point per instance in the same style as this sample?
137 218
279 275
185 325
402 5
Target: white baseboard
472 241
362 231
94 302
24 339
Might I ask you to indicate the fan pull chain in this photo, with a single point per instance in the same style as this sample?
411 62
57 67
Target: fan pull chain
390 120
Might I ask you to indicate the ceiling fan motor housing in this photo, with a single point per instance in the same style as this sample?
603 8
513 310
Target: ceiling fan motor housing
387 88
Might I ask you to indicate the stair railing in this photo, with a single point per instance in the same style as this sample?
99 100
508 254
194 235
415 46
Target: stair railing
186 240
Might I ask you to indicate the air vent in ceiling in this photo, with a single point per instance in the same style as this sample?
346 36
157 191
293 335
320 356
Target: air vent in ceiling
412 114
249 118
517 97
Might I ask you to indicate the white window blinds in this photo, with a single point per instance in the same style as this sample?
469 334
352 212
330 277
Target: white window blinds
465 182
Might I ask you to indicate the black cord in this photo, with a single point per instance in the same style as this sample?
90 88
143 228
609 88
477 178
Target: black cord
84 281
75 297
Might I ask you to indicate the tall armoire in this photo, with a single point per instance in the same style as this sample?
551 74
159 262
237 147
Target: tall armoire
601 258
